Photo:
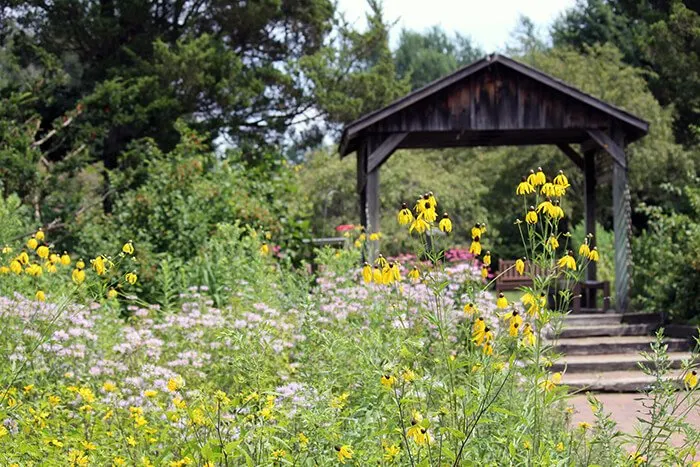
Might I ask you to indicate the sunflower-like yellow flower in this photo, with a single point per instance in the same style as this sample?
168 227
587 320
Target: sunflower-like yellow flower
502 301
487 258
531 178
377 275
50 267
375 236
488 349
414 274
80 264
428 214
469 309
112 293
561 179
475 247
482 336
520 266
264 249
98 264
23 258
4 270
6 250
381 261
484 272
567 261
42 252
551 382
367 273
40 296
65 259
54 258
388 380
131 278
344 452
593 255
78 276
545 206
553 242
540 178
15 267
419 225
34 270
513 329
32 243
524 188
476 231
584 250
404 216
445 223
417 432
39 235
691 379
528 335
128 248
432 200
556 212
549 189
514 317
531 217
391 452
387 275
395 271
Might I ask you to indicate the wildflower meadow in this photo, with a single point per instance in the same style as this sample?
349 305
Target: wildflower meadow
407 360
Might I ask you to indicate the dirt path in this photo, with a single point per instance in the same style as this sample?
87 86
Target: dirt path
625 409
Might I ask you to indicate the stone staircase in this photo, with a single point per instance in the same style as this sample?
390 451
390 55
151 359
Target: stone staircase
601 350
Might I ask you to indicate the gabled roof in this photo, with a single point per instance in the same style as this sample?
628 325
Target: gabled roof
634 126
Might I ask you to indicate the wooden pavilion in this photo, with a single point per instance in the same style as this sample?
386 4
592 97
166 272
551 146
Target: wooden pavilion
497 101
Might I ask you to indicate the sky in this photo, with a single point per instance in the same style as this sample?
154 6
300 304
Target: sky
488 22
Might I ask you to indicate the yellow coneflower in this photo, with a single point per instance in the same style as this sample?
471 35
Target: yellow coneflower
479 325
553 243
482 336
40 296
408 375
374 236
42 252
264 249
531 178
513 329
432 200
561 179
531 217
549 189
32 243
482 229
131 278
584 249
6 250
421 204
551 382
524 188
556 212
419 225
567 261
39 235
593 255
487 258
381 261
395 271
487 349
528 335
112 293
414 274
514 317
15 267
65 259
54 258
4 270
78 276
691 379
391 452
559 190
484 272
377 275
128 248
502 301
50 267
387 276
98 264
23 258
476 231
387 380
540 178
428 214
469 309
545 206
405 216
475 247
445 223
34 270
367 273
80 264
520 265
344 452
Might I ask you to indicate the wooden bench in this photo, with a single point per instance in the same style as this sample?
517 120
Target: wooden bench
510 279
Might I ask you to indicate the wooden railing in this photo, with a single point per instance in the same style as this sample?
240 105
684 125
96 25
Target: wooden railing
508 277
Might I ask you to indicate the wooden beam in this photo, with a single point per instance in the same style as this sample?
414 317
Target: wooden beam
590 206
622 224
384 151
609 146
572 154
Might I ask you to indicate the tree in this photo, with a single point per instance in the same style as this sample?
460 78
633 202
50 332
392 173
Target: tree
428 56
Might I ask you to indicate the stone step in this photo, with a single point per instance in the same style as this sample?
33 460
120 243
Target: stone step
574 364
607 330
612 381
592 319
586 311
613 344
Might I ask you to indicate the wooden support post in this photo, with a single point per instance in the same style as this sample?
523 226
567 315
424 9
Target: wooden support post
368 188
622 222
590 208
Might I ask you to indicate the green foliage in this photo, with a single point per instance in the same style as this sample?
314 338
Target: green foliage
605 241
13 220
667 270
428 56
